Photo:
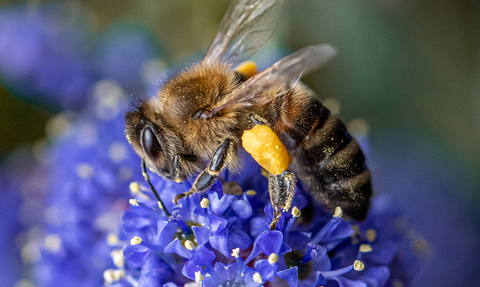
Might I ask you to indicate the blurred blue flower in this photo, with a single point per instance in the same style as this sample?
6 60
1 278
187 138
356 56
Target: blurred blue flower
43 53
10 226
48 54
87 171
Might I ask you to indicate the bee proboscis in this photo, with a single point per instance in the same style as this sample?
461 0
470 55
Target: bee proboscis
195 124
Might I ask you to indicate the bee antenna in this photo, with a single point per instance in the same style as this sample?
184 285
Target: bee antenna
147 178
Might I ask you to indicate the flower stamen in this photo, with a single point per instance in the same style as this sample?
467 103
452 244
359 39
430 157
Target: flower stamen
136 240
205 203
198 276
257 278
273 258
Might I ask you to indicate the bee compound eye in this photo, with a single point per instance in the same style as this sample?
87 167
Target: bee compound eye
150 144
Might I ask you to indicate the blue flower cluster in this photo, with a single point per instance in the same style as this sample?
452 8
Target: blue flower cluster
75 183
220 239
79 237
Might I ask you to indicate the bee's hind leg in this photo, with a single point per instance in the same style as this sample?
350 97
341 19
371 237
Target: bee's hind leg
208 177
282 189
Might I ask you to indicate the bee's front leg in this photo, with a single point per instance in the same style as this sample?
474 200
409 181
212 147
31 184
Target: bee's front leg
210 174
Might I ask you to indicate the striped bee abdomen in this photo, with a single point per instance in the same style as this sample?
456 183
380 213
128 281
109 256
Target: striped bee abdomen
330 161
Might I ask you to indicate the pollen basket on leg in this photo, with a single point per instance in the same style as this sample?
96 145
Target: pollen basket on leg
266 148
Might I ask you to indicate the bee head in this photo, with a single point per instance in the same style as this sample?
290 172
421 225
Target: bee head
153 141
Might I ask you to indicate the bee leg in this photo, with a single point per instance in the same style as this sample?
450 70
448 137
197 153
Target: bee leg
208 177
176 173
282 189
147 178
255 119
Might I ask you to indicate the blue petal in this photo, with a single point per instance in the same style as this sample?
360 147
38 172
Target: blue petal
155 272
259 225
291 275
242 207
219 205
202 258
231 237
320 280
344 282
336 229
176 247
268 242
217 224
201 234
381 254
165 233
376 276
136 254
266 269
226 272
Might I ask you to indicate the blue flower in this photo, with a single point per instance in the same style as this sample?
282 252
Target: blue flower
222 239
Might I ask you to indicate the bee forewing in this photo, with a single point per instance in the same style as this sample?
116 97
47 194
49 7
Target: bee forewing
286 71
246 26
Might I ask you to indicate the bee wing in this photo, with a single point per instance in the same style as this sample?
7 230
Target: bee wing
246 26
286 71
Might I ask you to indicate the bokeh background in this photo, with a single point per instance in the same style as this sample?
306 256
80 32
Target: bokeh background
406 80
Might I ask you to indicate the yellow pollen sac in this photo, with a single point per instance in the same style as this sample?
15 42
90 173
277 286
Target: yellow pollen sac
247 69
266 148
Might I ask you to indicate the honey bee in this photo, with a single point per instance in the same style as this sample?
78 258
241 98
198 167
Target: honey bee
196 123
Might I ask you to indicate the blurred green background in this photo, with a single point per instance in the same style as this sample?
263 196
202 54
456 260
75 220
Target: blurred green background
404 64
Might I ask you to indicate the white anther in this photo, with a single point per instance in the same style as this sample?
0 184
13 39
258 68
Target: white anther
133 202
134 187
338 212
364 248
273 258
118 258
371 235
235 252
53 242
358 265
198 276
189 245
251 192
108 276
135 240
205 203
257 278
296 212
112 239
